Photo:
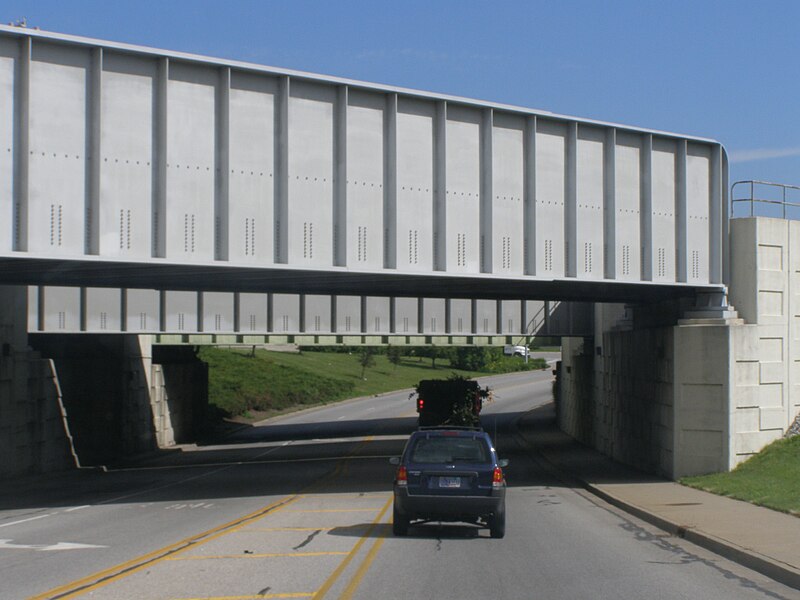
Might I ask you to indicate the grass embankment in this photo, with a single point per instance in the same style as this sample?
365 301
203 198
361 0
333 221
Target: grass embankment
771 478
256 385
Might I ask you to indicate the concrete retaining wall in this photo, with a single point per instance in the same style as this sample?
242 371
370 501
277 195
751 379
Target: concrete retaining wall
617 396
33 436
94 400
120 403
688 396
765 289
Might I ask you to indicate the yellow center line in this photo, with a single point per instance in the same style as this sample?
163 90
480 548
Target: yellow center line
267 529
338 572
360 496
333 510
102 578
279 595
266 555
106 576
362 570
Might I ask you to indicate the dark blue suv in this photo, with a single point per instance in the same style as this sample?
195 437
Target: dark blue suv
450 474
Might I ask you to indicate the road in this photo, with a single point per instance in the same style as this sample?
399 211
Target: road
300 507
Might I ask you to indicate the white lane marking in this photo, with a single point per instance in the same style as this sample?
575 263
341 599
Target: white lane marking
77 508
340 419
8 545
26 520
189 505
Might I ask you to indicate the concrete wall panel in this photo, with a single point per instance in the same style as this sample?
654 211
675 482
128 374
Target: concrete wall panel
406 316
485 317
508 183
58 152
628 186
253 313
550 198
191 163
127 148
460 316
33 309
317 314
664 199
285 309
103 310
252 169
433 316
310 215
365 183
218 312
180 311
414 186
348 314
143 310
8 57
377 315
698 195
463 192
62 309
510 317
589 210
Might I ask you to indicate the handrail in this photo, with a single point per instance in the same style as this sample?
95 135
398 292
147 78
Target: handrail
753 199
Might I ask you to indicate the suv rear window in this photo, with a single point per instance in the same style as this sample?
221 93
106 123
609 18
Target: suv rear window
450 450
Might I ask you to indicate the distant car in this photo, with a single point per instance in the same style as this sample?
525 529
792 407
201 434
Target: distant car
515 350
450 474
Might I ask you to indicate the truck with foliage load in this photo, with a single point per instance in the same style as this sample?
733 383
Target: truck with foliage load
456 401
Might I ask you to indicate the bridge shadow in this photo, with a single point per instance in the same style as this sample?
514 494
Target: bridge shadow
278 460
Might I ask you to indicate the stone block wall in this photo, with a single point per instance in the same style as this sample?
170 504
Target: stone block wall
617 395
34 437
634 398
765 290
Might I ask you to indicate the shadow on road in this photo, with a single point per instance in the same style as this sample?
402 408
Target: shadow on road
280 460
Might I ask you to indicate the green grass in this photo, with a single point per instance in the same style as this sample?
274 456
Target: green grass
242 383
771 478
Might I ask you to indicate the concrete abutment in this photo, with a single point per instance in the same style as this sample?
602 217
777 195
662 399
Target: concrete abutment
68 401
699 394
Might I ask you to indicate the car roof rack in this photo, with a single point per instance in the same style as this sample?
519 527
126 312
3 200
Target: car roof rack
450 427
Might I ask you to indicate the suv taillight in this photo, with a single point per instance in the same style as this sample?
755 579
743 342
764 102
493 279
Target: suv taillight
401 477
420 404
497 477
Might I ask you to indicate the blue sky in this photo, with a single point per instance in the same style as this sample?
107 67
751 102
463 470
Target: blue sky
724 70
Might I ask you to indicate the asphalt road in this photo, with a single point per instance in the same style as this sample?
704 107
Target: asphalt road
300 507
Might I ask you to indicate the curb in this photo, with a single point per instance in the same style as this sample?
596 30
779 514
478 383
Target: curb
751 559
746 557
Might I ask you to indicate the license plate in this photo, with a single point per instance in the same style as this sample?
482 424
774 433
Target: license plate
449 482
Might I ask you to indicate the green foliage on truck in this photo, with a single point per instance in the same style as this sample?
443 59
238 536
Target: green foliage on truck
456 401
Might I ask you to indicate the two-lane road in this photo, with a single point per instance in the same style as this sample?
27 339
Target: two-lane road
300 507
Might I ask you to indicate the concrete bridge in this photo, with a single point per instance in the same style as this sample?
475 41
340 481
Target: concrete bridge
153 192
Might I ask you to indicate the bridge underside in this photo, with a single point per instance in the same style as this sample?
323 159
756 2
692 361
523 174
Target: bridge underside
158 275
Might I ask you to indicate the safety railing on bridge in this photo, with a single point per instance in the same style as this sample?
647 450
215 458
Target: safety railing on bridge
765 199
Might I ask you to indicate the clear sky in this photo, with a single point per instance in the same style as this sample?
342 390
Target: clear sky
727 70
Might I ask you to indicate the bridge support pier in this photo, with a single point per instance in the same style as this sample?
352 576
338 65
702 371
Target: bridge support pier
121 399
657 398
68 401
682 389
34 437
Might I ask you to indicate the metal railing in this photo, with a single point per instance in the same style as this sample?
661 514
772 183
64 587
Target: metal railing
778 198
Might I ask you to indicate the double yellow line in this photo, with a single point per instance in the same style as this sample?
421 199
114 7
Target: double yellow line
96 580
112 574
348 593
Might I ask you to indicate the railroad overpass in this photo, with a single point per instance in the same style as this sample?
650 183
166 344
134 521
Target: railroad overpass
206 194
